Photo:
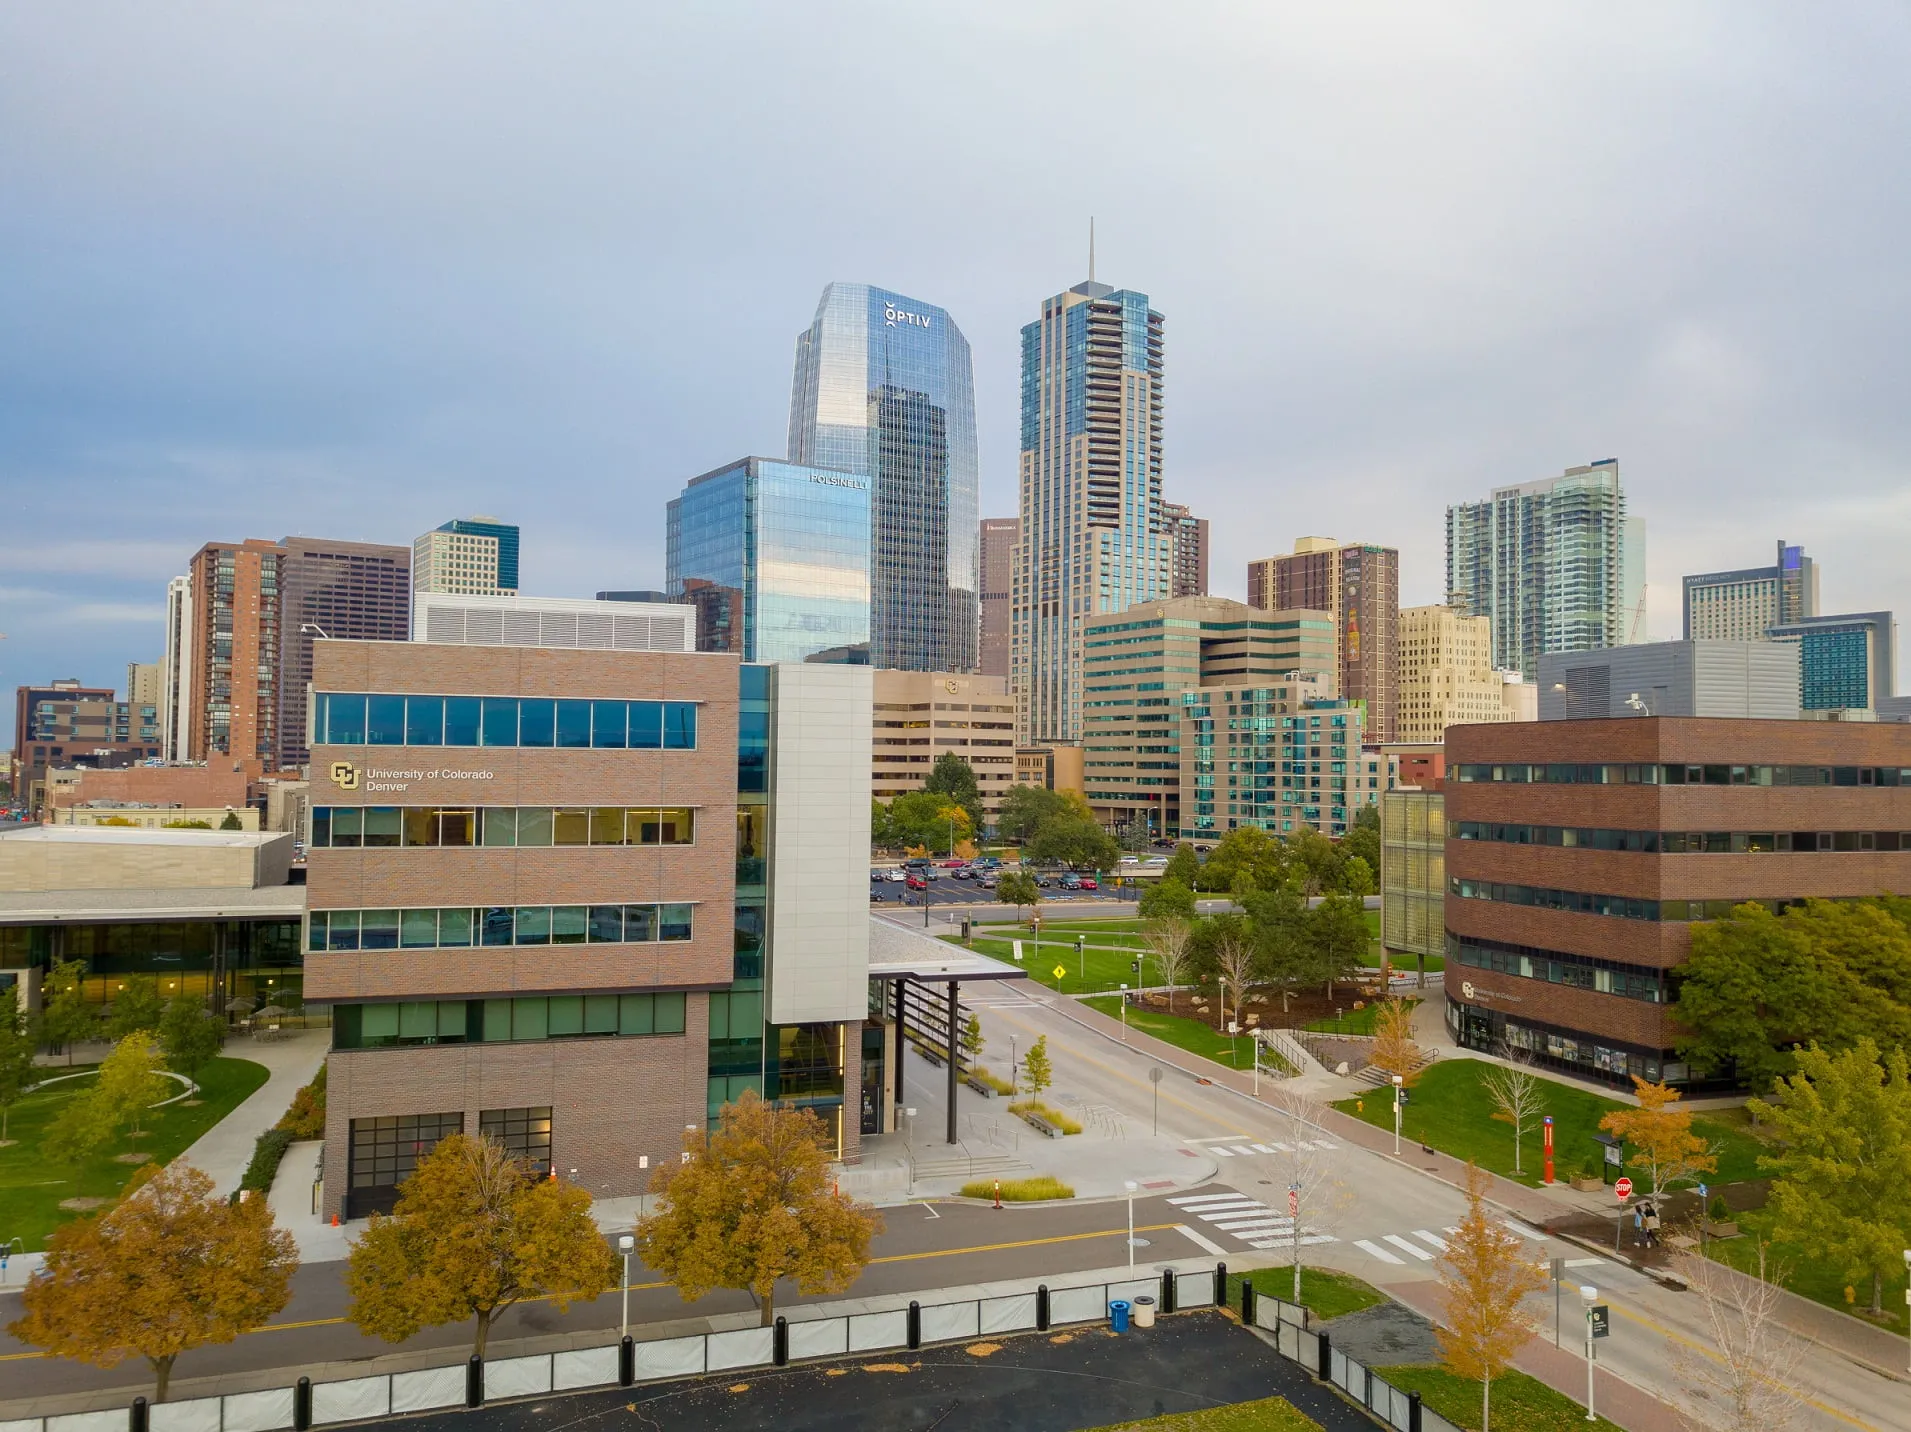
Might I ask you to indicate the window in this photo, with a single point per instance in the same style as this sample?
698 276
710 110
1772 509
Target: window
498 926
524 1133
350 827
412 1023
385 1152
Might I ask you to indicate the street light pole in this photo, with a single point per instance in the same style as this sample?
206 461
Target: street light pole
1907 1288
1131 1186
1124 1014
624 1245
1399 1088
1588 1295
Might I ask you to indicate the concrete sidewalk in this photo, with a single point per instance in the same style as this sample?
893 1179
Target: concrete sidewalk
225 1149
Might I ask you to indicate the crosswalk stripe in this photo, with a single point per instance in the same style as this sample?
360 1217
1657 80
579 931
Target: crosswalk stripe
1234 1225
1237 1205
1281 1148
1307 1240
1261 1148
1431 1239
1523 1230
1195 1200
1381 1253
1245 1150
1586 1262
1225 1153
1413 1248
1225 1216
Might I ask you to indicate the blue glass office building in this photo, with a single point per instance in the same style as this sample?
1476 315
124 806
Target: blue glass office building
1844 662
786 545
884 389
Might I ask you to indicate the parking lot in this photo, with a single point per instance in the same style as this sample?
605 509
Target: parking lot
945 888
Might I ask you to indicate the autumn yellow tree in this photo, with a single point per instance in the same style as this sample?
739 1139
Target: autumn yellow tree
169 1268
128 1084
1660 1136
474 1232
1485 1276
1394 1048
754 1204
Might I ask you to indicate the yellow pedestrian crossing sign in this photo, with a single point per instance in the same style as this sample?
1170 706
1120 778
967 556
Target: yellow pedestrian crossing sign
1061 971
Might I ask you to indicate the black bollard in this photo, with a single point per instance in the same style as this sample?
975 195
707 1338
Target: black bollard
627 1361
780 1343
1041 1308
136 1416
1413 1412
915 1326
1247 1303
1167 1290
302 1405
1326 1369
474 1382
1220 1285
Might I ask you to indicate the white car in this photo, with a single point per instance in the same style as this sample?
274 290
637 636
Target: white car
895 877
1157 860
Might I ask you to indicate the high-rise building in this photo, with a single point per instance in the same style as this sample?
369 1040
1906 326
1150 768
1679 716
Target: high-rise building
350 591
475 556
883 389
1359 584
775 557
1094 540
66 724
920 715
142 683
1844 662
1557 565
176 667
998 538
1188 558
1746 605
1281 755
1136 667
1446 674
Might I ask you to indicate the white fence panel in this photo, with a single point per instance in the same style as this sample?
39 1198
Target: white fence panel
1399 1413
1135 1288
357 1399
820 1337
1267 1313
1196 1290
869 1332
23 1424
517 1377
586 1367
945 1322
1431 1421
88 1422
429 1387
1008 1315
1077 1305
1308 1345
669 1357
255 1411
747 1347
198 1414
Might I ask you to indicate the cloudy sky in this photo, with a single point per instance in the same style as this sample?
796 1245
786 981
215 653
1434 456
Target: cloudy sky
349 270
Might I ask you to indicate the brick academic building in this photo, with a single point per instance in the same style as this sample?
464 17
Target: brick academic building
1579 854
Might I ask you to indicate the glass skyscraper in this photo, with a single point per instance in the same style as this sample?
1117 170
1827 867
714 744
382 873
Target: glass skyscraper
782 548
1095 537
884 390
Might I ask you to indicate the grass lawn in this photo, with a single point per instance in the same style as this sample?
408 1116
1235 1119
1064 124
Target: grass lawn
1189 1034
1791 1267
1518 1401
1091 972
31 1188
1354 1021
1449 1109
1324 1293
1270 1414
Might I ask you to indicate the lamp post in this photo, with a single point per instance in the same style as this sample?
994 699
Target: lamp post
909 1146
1589 1295
1131 1186
1399 1088
624 1245
1124 1014
1907 1286
1081 958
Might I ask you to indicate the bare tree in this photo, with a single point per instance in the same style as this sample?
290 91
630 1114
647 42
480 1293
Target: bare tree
1317 1197
1168 940
1743 1381
1234 958
1519 1099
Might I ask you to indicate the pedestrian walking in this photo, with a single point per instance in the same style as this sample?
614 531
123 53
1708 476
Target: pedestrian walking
1651 1212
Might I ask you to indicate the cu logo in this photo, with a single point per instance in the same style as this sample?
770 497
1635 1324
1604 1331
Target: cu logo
345 775
1466 989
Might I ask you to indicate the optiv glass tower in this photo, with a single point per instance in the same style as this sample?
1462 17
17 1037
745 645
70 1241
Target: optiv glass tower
884 390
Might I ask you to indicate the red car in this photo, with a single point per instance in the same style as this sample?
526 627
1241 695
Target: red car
915 882
952 864
1090 883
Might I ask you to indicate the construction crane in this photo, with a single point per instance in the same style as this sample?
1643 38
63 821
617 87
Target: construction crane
1635 633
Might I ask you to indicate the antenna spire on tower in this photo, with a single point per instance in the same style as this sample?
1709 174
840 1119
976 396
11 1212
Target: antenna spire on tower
1091 248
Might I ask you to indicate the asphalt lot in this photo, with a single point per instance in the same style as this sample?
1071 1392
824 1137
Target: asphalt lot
1076 1378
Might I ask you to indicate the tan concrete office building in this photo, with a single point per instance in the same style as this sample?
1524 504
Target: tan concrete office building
1446 674
917 715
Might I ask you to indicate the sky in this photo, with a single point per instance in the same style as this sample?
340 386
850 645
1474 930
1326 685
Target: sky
351 270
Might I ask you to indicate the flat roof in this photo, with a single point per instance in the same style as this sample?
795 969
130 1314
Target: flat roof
105 907
132 835
899 952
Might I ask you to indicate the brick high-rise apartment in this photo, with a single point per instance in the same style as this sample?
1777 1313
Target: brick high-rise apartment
1188 560
1359 584
998 538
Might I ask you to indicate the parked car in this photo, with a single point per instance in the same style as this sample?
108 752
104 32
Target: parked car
1088 882
915 882
987 862
1157 860
964 873
988 880
894 876
878 874
1042 882
952 864
1071 882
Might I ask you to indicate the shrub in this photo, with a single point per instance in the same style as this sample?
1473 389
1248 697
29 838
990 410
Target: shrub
1019 1190
1048 1113
1720 1211
305 1119
994 1081
264 1167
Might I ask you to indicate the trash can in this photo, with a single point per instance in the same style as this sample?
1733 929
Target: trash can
1144 1312
1118 1315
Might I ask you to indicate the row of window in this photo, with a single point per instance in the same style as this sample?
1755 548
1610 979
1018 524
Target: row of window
1625 907
1555 773
500 1021
1595 975
1682 842
463 927
385 1151
353 827
352 719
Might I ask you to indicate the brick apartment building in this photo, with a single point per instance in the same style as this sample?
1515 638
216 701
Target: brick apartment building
1580 853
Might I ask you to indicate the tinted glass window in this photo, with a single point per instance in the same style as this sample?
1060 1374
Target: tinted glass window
607 725
345 720
461 720
537 721
425 721
385 720
574 723
500 721
646 725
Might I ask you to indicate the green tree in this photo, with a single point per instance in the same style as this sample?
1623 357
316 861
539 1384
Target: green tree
1024 808
1247 849
127 1085
927 820
232 821
190 1034
475 1232
882 835
753 1204
1037 1072
1317 861
1166 899
1018 888
1357 878
953 777
1336 934
1842 1179
16 1055
135 1006
1362 841
972 1041
1184 865
1211 934
66 1019
1278 919
1076 841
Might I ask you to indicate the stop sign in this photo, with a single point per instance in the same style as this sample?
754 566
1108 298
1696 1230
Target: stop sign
1623 1188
